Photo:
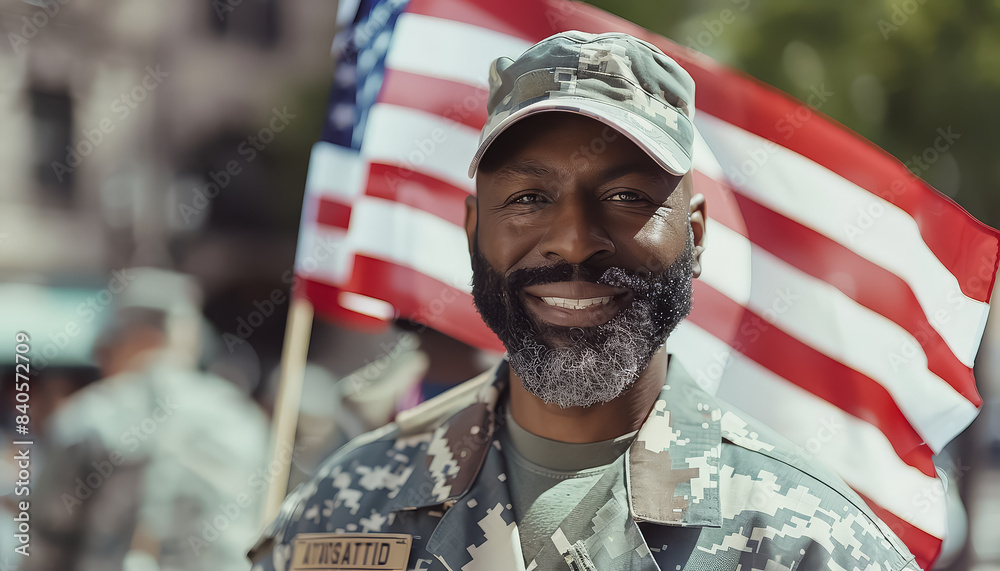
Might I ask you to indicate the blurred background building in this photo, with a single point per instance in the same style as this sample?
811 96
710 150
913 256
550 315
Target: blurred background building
177 135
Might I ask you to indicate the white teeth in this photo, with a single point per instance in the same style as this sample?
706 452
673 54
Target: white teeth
576 303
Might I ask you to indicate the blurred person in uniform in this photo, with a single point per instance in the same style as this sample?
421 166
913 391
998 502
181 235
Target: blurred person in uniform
60 363
419 363
50 387
589 447
157 465
334 411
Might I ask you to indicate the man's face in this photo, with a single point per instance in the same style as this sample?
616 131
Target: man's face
582 255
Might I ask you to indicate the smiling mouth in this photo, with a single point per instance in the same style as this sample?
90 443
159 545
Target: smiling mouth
569 303
575 303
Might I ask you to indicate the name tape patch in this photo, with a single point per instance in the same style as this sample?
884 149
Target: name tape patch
350 551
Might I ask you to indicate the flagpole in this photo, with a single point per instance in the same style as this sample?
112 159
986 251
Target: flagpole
286 406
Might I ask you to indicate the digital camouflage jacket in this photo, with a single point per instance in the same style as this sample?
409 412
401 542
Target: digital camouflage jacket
709 488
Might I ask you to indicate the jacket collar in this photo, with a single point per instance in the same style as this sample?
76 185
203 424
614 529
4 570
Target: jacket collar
672 468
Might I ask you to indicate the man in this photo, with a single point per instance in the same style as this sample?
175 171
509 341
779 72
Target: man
153 466
589 447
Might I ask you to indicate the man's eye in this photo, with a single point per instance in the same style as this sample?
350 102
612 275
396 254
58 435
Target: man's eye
625 196
527 199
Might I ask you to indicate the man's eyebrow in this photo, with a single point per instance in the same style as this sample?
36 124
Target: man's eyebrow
521 169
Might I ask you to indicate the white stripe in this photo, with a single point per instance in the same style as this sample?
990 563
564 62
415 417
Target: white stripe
322 253
448 49
726 261
393 232
704 159
804 191
336 172
832 436
705 362
824 318
365 305
419 141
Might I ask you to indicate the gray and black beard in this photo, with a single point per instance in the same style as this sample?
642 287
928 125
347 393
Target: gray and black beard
583 366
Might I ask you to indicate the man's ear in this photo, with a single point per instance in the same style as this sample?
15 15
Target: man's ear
697 215
471 219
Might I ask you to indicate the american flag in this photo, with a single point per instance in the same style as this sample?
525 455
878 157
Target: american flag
842 299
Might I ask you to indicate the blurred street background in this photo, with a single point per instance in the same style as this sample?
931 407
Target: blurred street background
153 157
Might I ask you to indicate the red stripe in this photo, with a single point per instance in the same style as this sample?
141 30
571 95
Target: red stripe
332 213
827 260
872 286
924 546
816 372
324 298
418 190
720 203
968 248
963 245
518 18
454 101
414 295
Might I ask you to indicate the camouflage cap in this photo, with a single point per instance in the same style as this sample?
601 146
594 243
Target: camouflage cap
615 78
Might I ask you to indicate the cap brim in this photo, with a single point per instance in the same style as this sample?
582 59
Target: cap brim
660 146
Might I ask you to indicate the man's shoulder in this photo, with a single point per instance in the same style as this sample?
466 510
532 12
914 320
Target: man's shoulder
377 473
747 433
413 425
767 481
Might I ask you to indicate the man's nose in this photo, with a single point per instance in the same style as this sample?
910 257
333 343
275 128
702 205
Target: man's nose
576 234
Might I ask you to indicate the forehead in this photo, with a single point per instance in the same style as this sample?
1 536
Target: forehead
549 141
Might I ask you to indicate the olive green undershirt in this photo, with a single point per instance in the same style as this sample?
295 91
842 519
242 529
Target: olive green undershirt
558 485
565 456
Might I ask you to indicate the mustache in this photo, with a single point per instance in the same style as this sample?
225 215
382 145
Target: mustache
637 281
559 272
